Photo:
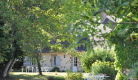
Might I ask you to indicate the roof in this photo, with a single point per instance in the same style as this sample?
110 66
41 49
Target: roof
81 47
66 44
48 49
106 21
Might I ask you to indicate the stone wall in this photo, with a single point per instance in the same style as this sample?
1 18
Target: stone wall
65 64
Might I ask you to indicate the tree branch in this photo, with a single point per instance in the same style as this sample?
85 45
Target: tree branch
108 23
132 18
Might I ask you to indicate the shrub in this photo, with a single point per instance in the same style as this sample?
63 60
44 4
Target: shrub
59 78
63 71
133 72
55 78
100 54
105 68
55 69
74 76
17 70
119 76
50 78
68 72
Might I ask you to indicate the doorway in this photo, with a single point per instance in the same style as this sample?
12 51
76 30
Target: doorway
74 64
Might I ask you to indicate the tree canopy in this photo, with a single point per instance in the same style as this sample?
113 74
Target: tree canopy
32 24
125 34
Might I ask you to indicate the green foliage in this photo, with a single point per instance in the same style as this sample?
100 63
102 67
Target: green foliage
55 69
74 76
102 55
68 72
104 68
59 78
133 72
119 76
31 18
123 12
33 24
55 78
125 45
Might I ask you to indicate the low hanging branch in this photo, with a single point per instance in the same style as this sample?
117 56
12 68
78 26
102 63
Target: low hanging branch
108 23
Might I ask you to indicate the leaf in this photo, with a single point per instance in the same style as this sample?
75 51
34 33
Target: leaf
110 24
135 18
117 9
119 2
104 27
125 3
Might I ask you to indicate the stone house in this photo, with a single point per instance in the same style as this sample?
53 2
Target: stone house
62 60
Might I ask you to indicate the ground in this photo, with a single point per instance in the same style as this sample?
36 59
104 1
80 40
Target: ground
35 76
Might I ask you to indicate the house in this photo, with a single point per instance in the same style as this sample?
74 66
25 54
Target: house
62 60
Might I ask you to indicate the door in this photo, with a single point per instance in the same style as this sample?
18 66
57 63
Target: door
56 61
74 64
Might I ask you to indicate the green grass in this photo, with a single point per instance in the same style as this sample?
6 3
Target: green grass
34 76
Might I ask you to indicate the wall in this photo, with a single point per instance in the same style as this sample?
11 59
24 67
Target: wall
65 64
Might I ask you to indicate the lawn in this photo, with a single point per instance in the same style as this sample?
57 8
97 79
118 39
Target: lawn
35 76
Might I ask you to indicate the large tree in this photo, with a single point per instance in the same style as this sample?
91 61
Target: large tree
31 24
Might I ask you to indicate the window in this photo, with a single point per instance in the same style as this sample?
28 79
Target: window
56 61
75 61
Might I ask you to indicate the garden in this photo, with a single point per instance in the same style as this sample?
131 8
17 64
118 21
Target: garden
102 61
29 26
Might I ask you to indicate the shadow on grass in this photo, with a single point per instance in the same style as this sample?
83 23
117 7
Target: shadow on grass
36 77
29 77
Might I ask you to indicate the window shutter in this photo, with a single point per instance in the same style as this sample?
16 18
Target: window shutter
53 61
27 61
57 60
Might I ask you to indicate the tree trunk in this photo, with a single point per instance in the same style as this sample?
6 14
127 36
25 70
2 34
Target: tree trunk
39 66
6 69
13 61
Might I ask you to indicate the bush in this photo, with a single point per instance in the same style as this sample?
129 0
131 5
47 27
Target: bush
105 68
55 69
59 78
133 72
119 76
17 70
55 78
63 71
74 76
100 54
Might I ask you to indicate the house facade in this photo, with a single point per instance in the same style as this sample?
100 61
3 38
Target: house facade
61 60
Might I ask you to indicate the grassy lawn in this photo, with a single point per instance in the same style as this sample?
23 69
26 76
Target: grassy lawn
35 76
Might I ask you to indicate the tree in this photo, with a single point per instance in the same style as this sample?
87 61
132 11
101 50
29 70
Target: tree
32 24
125 44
